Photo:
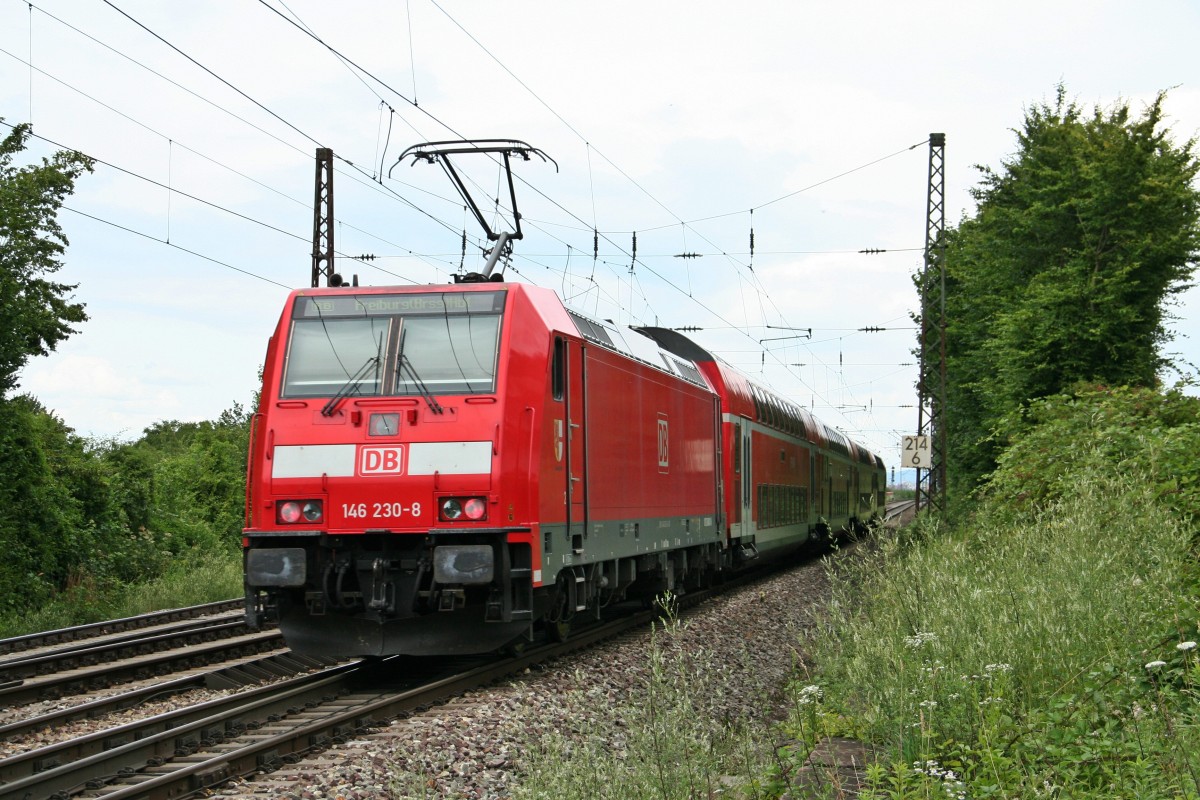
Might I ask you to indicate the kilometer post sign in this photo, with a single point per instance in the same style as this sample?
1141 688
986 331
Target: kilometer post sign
915 452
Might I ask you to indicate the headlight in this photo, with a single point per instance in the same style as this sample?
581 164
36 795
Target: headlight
451 508
292 512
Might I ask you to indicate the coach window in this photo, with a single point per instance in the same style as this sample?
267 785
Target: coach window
737 448
558 368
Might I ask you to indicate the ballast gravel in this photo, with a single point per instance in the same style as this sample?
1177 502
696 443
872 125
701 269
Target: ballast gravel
476 745
473 746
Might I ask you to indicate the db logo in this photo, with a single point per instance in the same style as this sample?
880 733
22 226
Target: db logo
380 460
664 449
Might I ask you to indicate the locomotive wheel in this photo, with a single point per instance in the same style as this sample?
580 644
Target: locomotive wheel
559 631
515 647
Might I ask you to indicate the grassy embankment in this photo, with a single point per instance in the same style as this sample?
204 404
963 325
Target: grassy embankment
1049 655
1044 648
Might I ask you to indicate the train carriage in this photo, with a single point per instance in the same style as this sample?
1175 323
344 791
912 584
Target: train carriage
445 469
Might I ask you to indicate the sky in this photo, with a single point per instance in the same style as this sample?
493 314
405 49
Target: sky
799 126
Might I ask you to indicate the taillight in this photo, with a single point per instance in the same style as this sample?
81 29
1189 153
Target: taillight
293 512
475 508
457 508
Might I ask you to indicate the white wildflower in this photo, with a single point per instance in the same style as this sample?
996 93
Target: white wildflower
1185 646
809 695
1155 665
919 639
951 785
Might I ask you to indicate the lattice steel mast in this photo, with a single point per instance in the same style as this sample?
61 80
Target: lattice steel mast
931 383
322 263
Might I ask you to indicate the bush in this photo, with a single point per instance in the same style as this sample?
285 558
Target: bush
1096 429
1047 651
81 521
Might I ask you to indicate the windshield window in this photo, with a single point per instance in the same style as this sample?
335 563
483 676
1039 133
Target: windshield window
325 355
451 355
353 344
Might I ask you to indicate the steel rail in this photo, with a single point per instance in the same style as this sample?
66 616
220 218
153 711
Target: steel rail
280 665
69 765
124 646
29 641
22 691
242 733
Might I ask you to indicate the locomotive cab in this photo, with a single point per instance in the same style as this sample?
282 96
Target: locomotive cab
376 508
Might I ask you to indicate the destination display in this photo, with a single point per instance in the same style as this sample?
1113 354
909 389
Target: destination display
372 305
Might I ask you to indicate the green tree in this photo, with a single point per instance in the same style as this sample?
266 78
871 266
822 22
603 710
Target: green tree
1078 244
37 514
1060 440
35 313
200 480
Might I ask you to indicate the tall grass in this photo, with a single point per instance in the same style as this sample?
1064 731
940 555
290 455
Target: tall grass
187 582
669 739
1011 659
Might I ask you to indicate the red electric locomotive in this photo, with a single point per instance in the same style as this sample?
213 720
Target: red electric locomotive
448 469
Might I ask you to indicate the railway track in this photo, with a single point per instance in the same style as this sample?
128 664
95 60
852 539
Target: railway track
57 663
79 669
899 511
233 676
186 751
97 630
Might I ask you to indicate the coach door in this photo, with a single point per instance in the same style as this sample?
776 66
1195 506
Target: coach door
814 482
739 522
747 484
576 445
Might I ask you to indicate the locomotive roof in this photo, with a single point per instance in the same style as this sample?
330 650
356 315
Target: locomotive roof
640 348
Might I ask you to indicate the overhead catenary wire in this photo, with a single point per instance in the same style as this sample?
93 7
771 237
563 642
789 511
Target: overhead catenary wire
635 259
263 107
761 290
211 204
176 246
354 175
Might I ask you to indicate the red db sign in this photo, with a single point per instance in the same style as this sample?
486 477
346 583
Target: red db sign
380 460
